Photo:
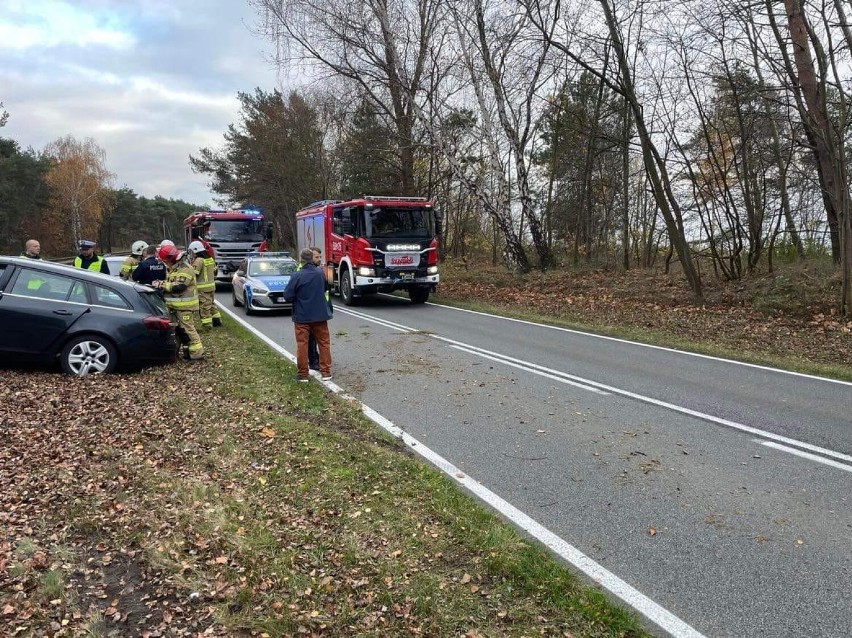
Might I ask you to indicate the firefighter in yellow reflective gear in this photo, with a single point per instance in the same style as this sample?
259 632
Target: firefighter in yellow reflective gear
181 298
130 263
205 277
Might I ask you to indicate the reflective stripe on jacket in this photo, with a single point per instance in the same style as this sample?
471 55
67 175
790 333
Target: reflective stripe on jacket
180 273
205 273
127 267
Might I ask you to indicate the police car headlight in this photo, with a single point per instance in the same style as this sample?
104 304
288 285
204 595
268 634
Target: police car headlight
259 290
364 271
432 270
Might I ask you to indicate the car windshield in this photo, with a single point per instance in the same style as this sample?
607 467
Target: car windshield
265 267
235 230
403 221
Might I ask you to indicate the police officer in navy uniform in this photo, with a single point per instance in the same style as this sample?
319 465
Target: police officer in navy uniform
88 260
150 269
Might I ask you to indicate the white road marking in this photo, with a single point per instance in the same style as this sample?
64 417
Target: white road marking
806 455
646 345
631 596
589 384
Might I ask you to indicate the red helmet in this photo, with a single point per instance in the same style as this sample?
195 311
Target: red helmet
168 254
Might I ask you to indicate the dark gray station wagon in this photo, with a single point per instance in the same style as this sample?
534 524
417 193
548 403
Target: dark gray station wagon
87 321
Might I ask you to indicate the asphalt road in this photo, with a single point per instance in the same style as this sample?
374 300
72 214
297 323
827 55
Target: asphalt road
721 491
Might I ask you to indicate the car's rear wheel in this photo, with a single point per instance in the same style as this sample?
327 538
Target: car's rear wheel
88 354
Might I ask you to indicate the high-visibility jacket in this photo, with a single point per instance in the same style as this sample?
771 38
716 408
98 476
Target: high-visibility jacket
187 298
128 266
26 256
95 265
205 273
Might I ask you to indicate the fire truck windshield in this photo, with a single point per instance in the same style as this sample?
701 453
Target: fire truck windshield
391 222
248 230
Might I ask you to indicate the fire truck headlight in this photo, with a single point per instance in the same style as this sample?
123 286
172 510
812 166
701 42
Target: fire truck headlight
364 271
432 270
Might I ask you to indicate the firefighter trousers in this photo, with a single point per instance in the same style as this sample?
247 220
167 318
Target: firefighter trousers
207 308
187 333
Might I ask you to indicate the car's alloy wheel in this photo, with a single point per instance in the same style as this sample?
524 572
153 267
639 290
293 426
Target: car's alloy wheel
88 354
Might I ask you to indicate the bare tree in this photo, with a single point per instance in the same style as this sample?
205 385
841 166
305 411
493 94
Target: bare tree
382 46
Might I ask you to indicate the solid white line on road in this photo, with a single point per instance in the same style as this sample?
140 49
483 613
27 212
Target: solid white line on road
526 368
806 455
588 383
646 345
654 612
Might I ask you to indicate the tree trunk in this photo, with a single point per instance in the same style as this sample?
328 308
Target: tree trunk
654 164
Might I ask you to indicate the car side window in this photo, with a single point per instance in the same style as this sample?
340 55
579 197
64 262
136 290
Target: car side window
42 285
108 297
78 293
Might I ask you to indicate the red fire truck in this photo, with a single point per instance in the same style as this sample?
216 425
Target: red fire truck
232 234
375 244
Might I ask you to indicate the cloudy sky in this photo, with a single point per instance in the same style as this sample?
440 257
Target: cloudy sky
151 81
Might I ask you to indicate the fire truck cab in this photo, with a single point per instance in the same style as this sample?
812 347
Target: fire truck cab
231 234
374 244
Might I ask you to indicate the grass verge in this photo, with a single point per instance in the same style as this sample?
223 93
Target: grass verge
223 497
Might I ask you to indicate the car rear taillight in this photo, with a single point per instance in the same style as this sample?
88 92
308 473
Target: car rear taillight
159 324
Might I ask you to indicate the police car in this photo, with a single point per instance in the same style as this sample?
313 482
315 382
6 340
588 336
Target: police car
260 280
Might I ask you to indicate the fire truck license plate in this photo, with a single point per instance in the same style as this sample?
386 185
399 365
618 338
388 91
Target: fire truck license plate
407 276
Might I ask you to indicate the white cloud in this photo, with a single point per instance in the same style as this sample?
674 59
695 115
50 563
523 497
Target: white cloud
150 81
50 24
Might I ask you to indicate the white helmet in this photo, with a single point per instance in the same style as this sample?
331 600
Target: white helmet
138 247
166 242
196 247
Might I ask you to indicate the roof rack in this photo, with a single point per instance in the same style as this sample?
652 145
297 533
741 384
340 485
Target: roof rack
393 198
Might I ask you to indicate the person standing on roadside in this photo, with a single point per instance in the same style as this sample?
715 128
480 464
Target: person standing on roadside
88 259
133 260
32 249
150 269
181 299
205 277
306 291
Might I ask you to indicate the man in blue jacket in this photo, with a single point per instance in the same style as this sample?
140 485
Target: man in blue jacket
306 291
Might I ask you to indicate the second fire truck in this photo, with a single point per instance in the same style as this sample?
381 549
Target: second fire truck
375 244
232 234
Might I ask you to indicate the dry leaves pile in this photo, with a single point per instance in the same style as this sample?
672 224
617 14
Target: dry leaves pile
800 324
72 457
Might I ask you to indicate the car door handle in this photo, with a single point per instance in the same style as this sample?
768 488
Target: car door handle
62 312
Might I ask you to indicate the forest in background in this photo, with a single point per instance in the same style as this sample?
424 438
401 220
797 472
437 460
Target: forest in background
706 137
62 194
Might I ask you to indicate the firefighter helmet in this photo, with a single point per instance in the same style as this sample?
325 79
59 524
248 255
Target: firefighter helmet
168 254
166 242
138 247
196 247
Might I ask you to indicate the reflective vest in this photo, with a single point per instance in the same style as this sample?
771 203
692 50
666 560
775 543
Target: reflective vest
128 266
95 266
180 273
205 273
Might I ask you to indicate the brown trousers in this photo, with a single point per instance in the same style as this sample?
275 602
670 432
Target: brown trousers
319 329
